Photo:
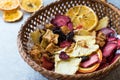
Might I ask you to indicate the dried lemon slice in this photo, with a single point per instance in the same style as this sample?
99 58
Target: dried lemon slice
30 5
8 4
12 15
83 15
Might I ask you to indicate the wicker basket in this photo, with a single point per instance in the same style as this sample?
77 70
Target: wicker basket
43 16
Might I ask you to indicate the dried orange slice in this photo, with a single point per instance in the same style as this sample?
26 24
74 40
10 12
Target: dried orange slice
9 4
72 12
94 67
30 5
12 15
83 15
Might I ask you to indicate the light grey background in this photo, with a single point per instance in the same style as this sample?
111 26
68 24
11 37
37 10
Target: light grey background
12 66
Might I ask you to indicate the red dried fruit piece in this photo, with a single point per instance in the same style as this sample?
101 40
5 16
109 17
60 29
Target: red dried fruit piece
79 27
92 60
70 26
65 44
118 44
60 20
112 42
47 64
107 31
108 49
112 39
63 56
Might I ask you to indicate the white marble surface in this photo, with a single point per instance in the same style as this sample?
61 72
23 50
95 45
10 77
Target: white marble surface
12 66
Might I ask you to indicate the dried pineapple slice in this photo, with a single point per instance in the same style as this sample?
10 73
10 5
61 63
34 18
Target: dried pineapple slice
30 5
12 15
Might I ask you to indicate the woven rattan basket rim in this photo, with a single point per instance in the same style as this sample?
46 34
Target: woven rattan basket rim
38 68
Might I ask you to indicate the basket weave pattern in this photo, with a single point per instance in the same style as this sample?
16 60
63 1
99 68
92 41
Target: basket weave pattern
43 16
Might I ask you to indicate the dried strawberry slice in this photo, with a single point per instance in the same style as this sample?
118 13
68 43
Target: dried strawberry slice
47 64
108 49
92 60
65 44
60 20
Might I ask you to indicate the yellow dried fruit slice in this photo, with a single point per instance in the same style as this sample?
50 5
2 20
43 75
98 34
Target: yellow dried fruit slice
12 15
35 36
83 15
102 23
30 5
72 12
9 4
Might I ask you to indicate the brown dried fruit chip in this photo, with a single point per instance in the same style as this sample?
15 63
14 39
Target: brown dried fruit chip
52 48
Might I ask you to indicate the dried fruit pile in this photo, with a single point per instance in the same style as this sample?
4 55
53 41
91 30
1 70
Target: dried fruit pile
11 8
76 42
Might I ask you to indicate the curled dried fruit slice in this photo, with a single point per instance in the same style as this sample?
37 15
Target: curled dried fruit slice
8 4
94 67
30 5
12 15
